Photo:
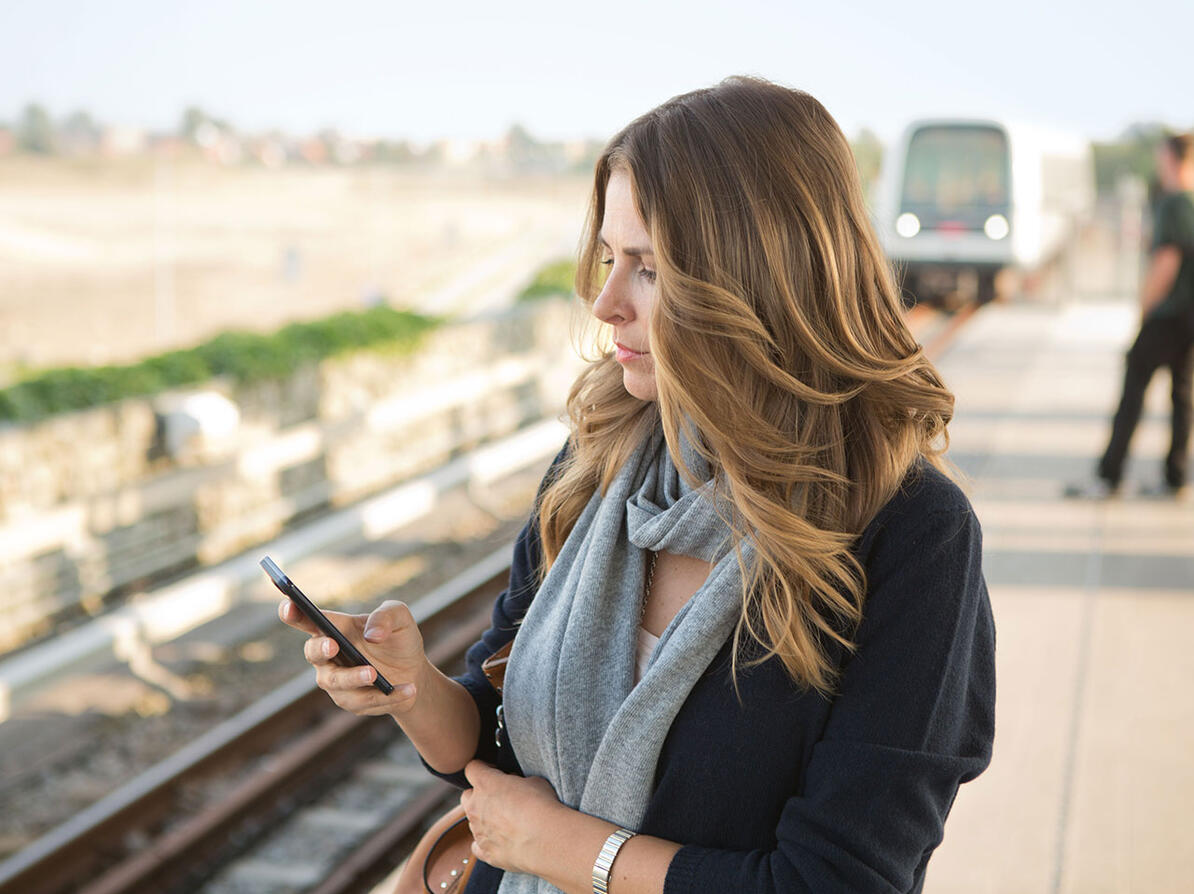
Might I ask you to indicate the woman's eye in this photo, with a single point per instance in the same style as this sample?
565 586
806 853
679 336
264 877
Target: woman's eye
648 275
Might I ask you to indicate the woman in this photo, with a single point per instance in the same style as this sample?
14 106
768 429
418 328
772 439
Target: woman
748 615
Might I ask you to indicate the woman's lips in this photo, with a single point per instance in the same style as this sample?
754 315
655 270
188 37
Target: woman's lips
624 353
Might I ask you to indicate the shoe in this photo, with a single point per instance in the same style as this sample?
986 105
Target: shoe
1180 493
1093 489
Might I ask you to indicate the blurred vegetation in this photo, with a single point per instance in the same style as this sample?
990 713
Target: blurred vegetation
1132 155
242 356
35 131
216 139
868 158
555 278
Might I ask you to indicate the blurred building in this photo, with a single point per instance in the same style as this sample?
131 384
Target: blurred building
313 151
118 141
270 151
461 151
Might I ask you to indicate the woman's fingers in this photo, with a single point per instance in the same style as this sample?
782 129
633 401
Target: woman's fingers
290 614
392 642
477 772
389 617
362 700
320 649
348 689
333 676
345 623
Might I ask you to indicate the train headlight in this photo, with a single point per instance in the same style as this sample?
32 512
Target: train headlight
907 224
996 227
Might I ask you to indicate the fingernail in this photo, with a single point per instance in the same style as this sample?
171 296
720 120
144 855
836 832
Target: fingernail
365 675
372 632
406 690
327 647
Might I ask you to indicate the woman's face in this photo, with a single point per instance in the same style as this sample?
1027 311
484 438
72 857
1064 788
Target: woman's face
629 293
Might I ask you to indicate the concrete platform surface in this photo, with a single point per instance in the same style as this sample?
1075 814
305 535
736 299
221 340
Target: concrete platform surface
1091 789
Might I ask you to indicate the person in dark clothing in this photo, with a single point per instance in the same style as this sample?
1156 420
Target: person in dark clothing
1166 336
752 645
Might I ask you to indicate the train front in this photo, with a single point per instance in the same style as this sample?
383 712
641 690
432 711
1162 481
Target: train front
947 210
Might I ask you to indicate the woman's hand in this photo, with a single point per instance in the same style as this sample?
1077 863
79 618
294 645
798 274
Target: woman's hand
510 816
519 825
388 637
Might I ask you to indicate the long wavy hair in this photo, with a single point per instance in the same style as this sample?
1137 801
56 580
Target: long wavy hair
779 342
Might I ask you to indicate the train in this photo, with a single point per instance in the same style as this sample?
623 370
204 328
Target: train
960 201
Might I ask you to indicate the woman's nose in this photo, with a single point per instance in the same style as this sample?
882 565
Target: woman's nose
611 305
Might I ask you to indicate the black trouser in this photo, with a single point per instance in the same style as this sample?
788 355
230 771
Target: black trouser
1165 342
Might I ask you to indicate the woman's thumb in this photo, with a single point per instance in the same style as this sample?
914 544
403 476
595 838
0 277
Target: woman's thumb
387 618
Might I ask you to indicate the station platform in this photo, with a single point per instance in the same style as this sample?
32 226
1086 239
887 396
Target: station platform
1091 788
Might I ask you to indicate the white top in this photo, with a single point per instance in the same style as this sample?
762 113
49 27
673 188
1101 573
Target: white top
646 645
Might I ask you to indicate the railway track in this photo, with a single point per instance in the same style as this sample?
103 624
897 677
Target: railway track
211 802
934 328
291 794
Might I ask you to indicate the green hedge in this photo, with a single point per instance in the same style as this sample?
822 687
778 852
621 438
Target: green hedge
244 356
553 279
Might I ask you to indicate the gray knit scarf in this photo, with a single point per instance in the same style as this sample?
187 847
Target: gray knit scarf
572 710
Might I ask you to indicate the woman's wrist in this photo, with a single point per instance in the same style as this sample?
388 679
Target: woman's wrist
568 845
425 679
565 845
442 723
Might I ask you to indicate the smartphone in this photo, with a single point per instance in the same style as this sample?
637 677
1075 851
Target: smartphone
349 655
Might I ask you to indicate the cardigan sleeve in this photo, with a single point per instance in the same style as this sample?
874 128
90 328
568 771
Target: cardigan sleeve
913 718
508 611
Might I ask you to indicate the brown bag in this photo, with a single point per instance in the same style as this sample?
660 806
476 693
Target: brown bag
442 861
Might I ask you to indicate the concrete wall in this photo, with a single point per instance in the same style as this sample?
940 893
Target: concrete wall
92 507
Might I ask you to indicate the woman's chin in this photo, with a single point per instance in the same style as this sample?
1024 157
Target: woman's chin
642 387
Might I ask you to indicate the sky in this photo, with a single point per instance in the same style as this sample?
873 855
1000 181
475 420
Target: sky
436 68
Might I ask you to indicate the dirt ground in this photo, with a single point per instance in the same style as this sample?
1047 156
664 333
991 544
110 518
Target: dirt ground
105 261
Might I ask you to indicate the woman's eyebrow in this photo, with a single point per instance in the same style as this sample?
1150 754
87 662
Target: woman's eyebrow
635 252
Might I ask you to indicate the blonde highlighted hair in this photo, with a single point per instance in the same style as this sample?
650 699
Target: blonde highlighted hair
778 337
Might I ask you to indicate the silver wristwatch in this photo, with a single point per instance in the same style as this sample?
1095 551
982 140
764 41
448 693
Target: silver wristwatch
605 860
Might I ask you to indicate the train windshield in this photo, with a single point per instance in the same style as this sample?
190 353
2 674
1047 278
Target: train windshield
956 177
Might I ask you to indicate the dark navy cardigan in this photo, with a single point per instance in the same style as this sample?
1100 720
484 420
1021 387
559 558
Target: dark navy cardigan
788 791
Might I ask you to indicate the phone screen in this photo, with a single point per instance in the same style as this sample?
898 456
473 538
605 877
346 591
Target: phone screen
349 655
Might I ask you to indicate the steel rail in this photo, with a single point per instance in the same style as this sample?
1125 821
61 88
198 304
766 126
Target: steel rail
71 855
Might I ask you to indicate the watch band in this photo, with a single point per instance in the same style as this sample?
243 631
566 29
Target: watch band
605 859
